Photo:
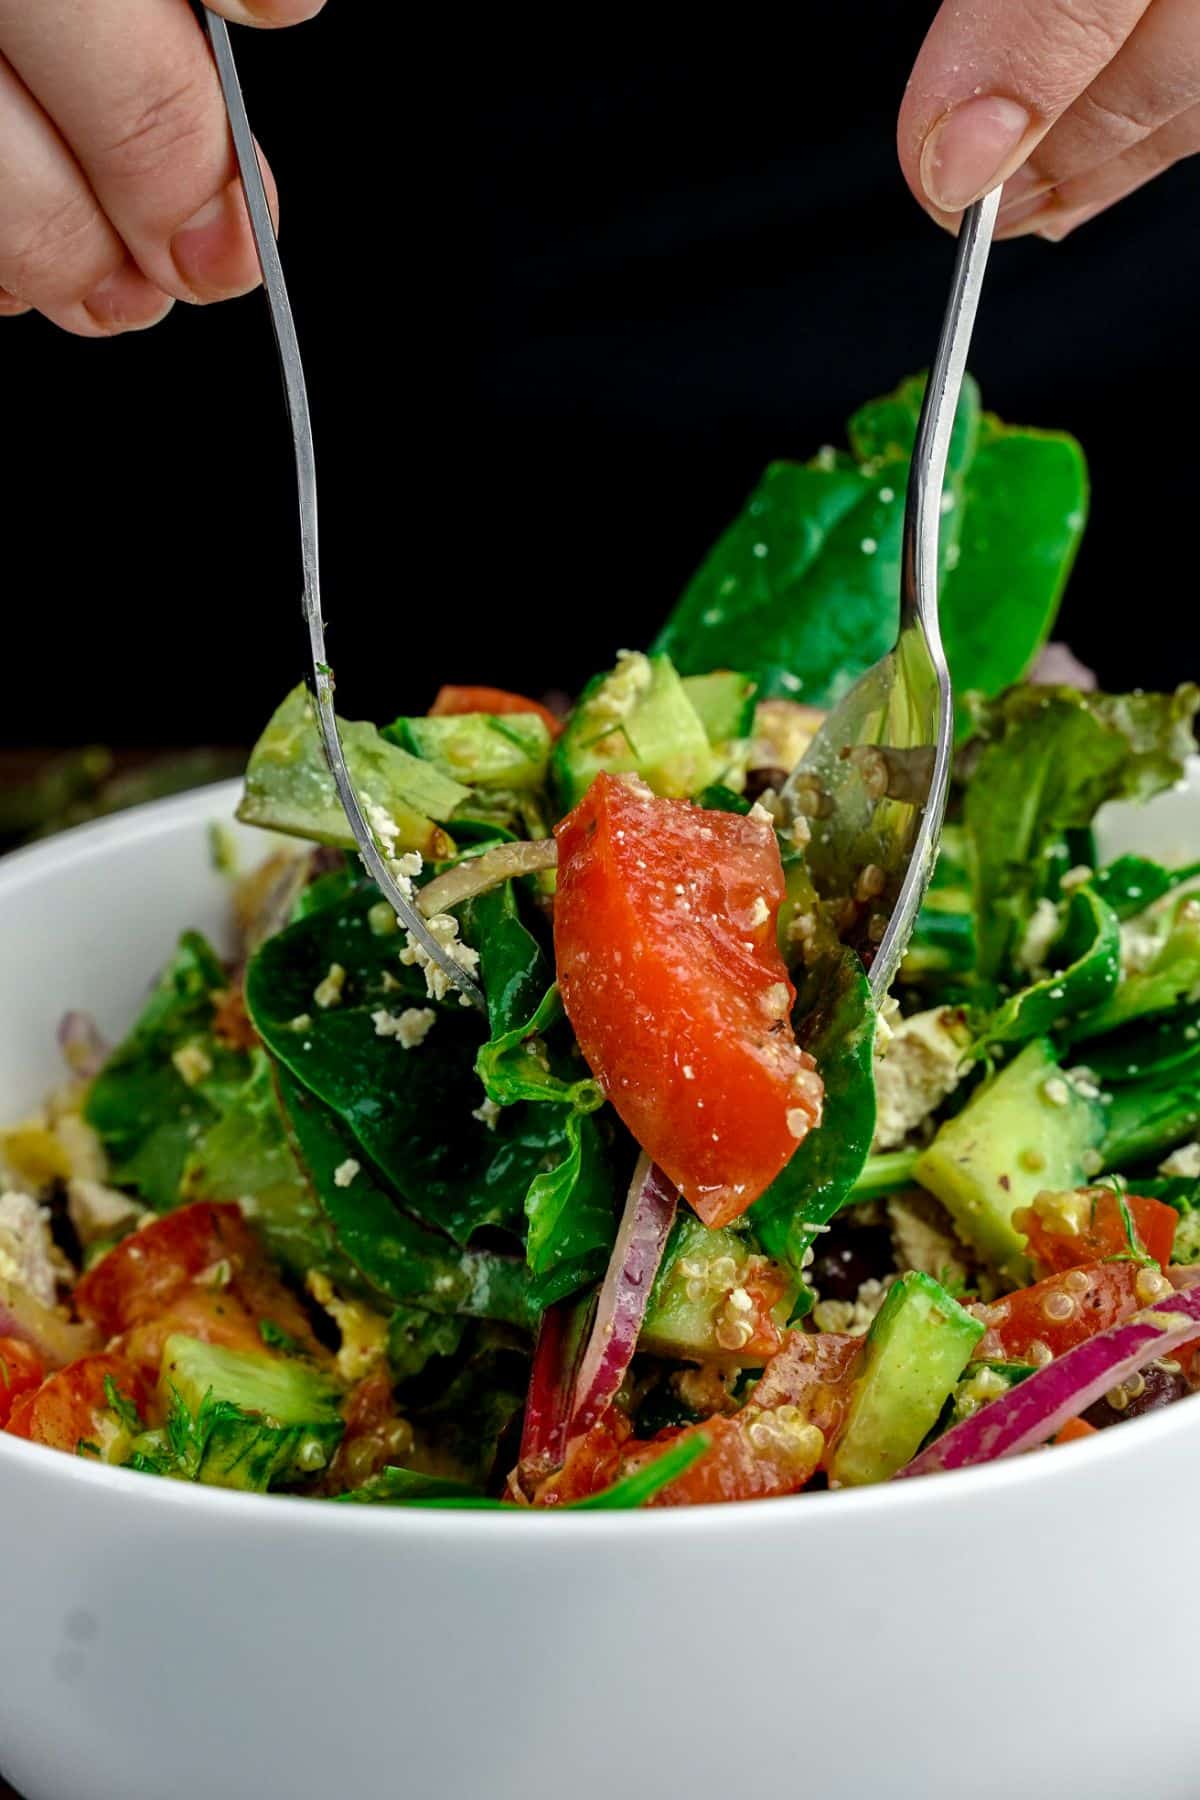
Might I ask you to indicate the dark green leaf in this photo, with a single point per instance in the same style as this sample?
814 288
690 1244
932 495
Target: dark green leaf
1132 883
802 590
1152 1048
636 1489
834 1018
400 1257
1145 1119
1171 978
398 1487
1087 959
147 1115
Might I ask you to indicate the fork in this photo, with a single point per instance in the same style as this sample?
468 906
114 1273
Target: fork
871 787
296 391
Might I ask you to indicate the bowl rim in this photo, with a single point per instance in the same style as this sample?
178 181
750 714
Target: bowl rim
225 1508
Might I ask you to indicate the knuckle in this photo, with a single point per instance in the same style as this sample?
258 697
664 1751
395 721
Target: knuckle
159 129
1063 44
58 253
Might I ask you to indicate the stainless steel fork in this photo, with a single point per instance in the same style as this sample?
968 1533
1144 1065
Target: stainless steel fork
873 783
295 388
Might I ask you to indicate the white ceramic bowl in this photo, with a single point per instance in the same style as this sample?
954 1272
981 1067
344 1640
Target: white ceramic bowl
1011 1631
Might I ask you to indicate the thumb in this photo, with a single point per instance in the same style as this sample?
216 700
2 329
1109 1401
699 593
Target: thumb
991 79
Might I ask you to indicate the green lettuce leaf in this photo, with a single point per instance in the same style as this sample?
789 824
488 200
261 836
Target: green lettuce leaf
834 1017
1171 978
1086 958
147 1113
1046 759
802 591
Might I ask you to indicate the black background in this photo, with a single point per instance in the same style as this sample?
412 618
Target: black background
560 299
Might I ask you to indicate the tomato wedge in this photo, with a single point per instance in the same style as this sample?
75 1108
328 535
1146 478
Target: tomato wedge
21 1372
144 1277
1065 1230
72 1408
1039 1322
757 1454
814 1371
664 935
452 700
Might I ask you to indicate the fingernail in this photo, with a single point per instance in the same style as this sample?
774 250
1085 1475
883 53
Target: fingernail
125 299
212 251
973 148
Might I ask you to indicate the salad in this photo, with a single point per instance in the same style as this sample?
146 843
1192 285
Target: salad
683 1219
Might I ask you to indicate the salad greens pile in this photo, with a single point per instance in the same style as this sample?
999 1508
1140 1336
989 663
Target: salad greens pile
454 1182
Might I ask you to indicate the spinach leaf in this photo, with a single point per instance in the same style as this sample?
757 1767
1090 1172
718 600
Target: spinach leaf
409 1110
1150 1048
401 1487
802 591
401 1258
416 1337
169 1080
1132 883
1144 1119
834 1018
417 1114
1171 976
289 787
570 1203
1087 955
1046 760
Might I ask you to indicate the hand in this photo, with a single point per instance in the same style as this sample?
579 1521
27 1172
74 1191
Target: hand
1071 103
118 191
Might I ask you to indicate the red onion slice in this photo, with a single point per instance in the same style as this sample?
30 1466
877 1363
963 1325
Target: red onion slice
85 1052
56 1341
641 1239
1033 1411
560 1342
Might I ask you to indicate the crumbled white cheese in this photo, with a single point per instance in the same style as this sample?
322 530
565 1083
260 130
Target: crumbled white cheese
760 815
923 1238
760 912
620 692
364 1332
382 919
487 1113
28 1257
301 1022
97 1211
1077 877
345 1172
1056 1091
409 1028
328 992
1140 944
1084 1082
444 928
1040 933
1183 1162
193 1063
921 1062
853 1316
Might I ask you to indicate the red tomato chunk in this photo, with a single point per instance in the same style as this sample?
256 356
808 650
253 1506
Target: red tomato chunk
664 935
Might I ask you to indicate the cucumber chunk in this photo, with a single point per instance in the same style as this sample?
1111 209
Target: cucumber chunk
918 1346
636 720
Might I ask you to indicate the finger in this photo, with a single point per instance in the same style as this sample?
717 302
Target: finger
143 114
267 12
991 79
57 250
1153 79
1057 214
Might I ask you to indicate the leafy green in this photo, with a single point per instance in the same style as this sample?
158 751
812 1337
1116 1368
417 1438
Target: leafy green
408 1487
510 751
124 1408
1087 958
803 588
245 1156
289 787
148 1117
404 1260
1046 760
1148 1048
416 1337
1132 883
1170 978
834 1018
1144 1119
